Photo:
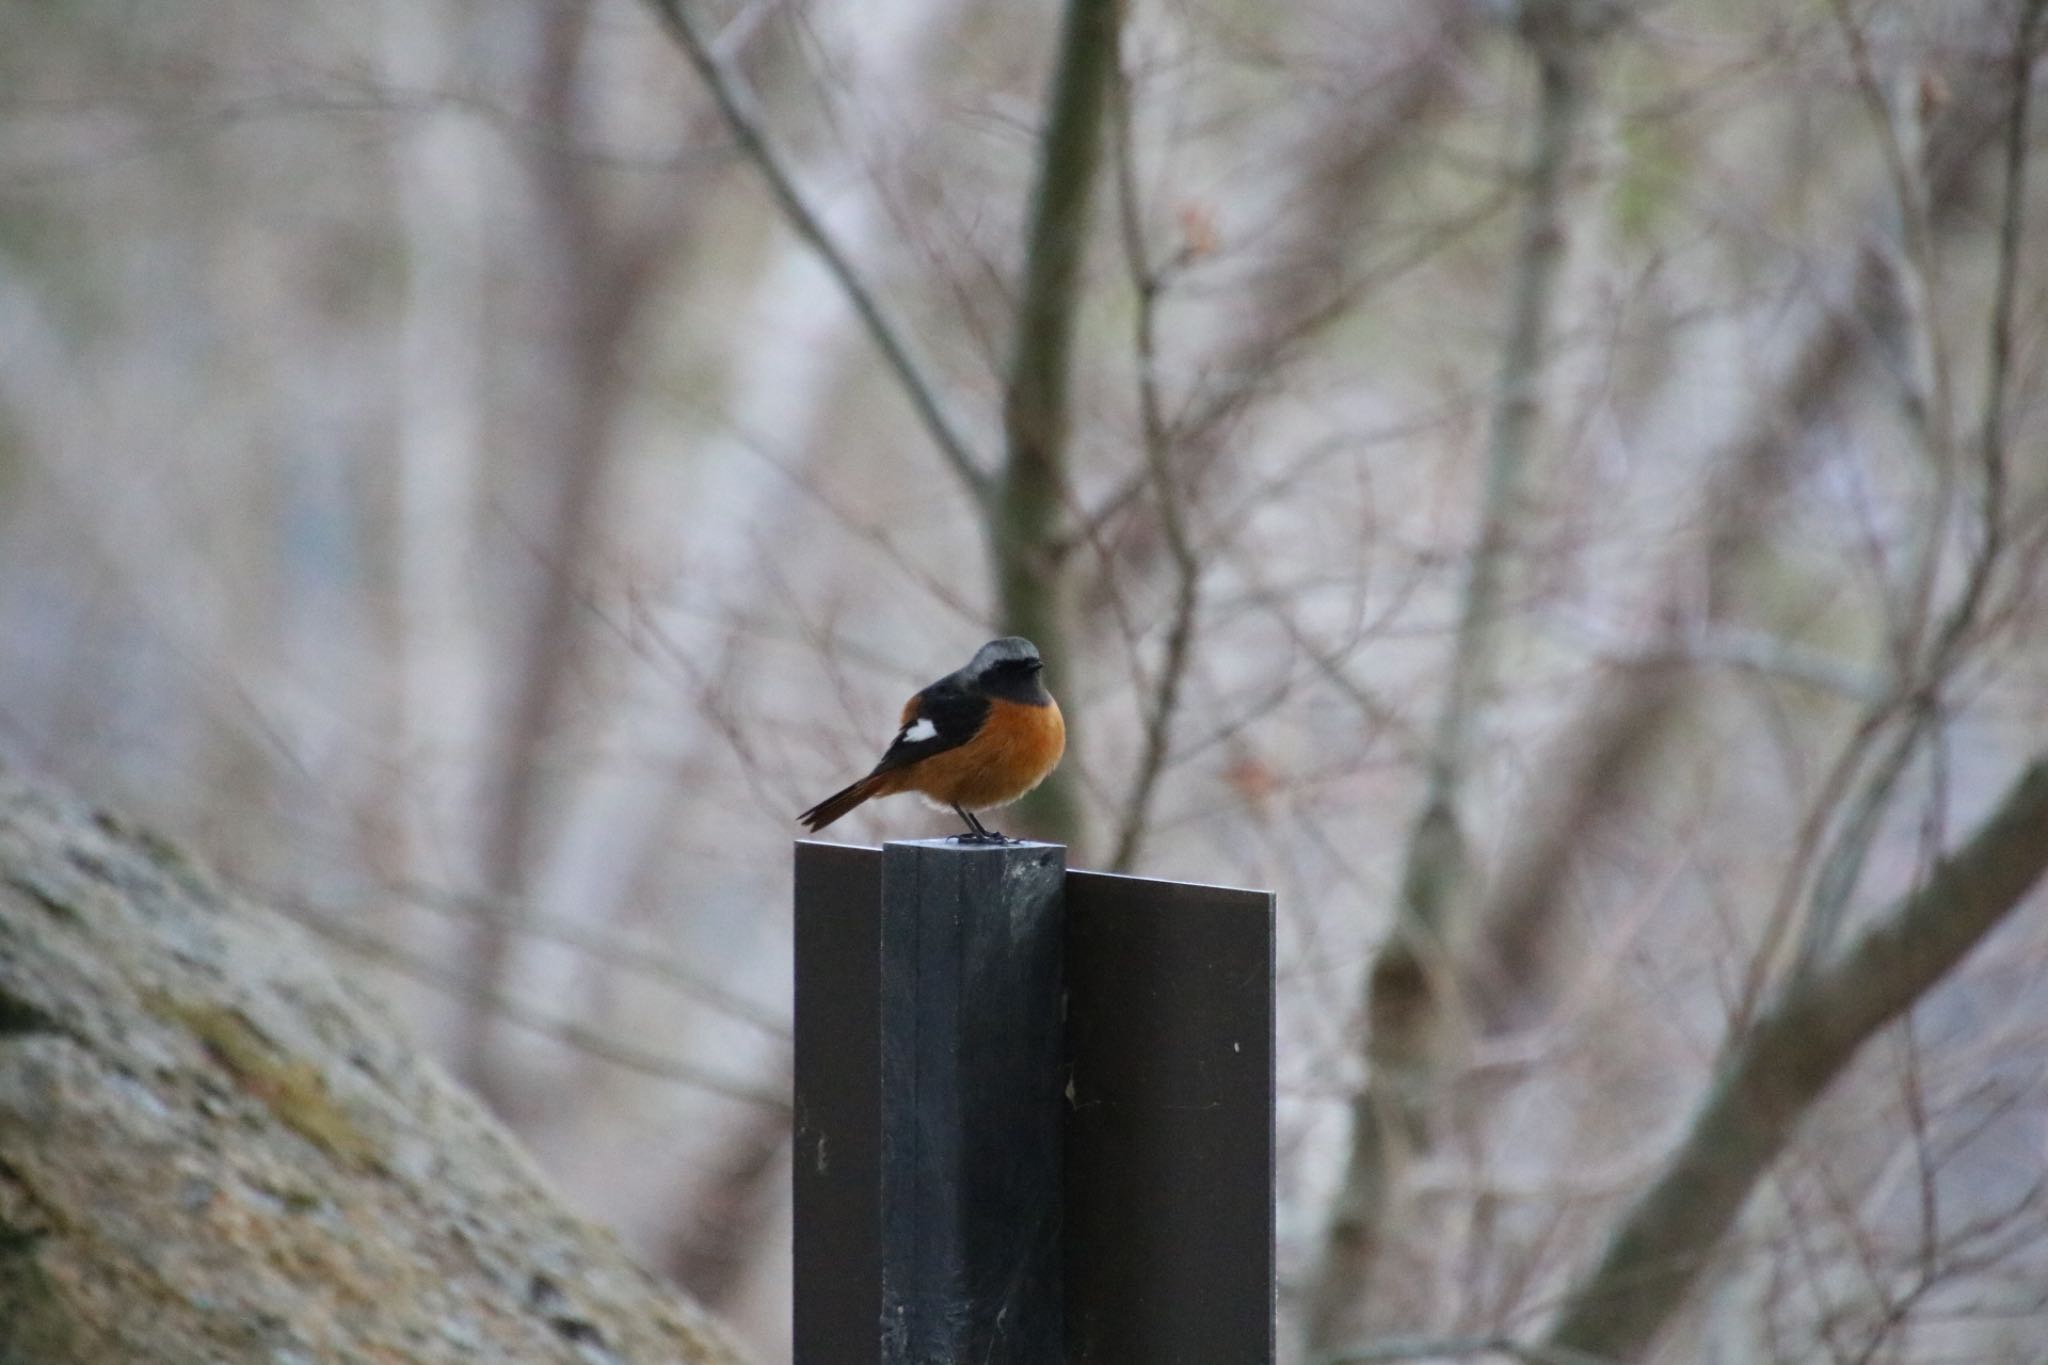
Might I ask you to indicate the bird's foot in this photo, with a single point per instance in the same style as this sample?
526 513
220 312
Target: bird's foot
986 836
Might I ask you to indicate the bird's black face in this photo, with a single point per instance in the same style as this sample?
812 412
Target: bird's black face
1010 668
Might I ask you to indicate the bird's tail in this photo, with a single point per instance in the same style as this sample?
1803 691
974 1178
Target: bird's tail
840 802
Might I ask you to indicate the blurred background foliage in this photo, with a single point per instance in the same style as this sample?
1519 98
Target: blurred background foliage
438 483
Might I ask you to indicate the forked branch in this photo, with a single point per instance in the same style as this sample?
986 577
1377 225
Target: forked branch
1773 1074
736 106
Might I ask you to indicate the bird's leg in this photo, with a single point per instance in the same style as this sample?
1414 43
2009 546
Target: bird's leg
976 832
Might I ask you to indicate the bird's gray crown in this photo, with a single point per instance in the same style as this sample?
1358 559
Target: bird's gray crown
1009 649
1008 669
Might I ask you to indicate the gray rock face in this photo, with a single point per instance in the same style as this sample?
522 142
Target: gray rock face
214 1149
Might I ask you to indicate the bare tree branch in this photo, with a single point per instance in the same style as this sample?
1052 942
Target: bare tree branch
1410 969
1428 884
1619 733
1925 671
1929 387
1765 655
494 1002
1927 382
590 287
750 131
1024 502
628 952
1149 282
1512 958
1858 303
1452 1348
1309 282
729 1220
1953 150
2026 50
1031 491
436 644
1772 1076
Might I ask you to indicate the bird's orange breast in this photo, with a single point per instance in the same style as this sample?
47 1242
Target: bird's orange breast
1015 748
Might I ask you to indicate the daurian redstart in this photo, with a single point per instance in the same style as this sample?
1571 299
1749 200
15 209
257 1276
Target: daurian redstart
974 740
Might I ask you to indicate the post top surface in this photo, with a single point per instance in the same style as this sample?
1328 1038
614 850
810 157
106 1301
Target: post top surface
958 846
943 843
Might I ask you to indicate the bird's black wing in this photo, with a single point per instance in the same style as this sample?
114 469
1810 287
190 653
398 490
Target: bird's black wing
943 716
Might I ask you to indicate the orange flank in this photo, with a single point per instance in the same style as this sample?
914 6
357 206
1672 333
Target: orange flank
1017 746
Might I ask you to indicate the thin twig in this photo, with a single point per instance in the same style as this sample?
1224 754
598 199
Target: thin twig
590 288
625 952
1455 1348
1929 390
1992 451
1766 655
736 104
731 1213
1842 868
1149 282
502 1005
1998 371
1929 397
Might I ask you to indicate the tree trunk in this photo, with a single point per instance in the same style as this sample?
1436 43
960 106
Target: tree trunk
214 1149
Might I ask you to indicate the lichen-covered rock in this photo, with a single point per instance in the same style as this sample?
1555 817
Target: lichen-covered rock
215 1150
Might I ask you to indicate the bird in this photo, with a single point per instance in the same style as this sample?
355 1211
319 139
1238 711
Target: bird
976 739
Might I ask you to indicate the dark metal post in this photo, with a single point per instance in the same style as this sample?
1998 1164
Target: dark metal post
1169 1145
1034 1112
965 1185
838 1147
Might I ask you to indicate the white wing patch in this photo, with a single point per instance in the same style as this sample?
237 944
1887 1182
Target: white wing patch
918 733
